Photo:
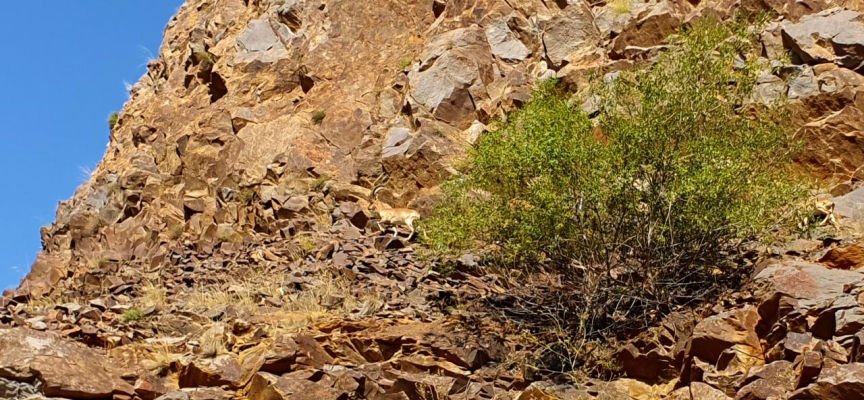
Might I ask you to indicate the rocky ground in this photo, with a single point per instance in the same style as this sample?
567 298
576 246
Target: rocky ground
224 247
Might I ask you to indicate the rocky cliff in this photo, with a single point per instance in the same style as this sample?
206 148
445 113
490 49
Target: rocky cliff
224 245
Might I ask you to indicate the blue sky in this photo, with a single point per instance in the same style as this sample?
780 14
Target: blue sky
62 72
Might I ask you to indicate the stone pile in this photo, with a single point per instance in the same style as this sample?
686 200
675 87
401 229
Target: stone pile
224 247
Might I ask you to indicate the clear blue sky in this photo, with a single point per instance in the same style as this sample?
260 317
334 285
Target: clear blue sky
62 72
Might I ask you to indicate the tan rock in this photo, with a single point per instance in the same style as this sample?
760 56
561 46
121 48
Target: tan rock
221 370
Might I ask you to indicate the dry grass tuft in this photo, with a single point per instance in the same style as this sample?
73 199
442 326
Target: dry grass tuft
621 7
324 220
154 295
44 304
159 358
325 296
215 299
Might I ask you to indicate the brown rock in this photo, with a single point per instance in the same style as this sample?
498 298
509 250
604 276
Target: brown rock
844 382
269 387
570 33
769 381
810 284
734 331
808 367
154 386
44 275
222 370
698 390
310 352
280 356
650 30
64 368
847 257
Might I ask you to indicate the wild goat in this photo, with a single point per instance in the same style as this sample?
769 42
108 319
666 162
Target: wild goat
393 216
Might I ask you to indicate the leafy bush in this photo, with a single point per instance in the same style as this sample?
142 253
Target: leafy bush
641 210
204 59
133 314
318 117
112 120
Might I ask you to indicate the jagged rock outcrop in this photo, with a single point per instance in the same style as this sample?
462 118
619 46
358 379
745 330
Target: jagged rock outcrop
231 210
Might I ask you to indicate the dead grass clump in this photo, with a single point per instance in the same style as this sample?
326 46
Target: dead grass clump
325 296
324 220
244 300
158 358
46 303
153 295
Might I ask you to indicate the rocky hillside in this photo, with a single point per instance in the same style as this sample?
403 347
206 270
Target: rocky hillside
224 247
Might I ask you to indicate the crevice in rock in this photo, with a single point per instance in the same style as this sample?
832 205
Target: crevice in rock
187 81
217 87
306 83
238 124
438 8
562 4
428 64
188 213
291 19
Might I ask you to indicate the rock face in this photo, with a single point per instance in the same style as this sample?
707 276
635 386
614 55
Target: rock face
57 367
231 211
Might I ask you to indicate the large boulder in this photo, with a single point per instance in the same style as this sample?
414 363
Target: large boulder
452 75
61 368
834 35
570 34
844 382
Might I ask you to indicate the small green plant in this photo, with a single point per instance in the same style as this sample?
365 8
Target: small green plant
405 63
318 117
175 232
307 243
620 7
133 314
246 196
113 119
204 59
320 182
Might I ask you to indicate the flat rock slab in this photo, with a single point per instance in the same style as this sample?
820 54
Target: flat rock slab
834 35
63 368
810 283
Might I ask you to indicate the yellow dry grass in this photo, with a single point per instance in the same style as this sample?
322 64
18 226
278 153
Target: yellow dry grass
325 296
621 6
44 304
153 295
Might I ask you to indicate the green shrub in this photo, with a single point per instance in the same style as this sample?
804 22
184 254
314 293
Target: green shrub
176 231
133 314
112 120
405 62
247 196
204 59
640 212
318 117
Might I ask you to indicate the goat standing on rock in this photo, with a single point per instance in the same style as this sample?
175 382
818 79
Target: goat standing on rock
393 216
